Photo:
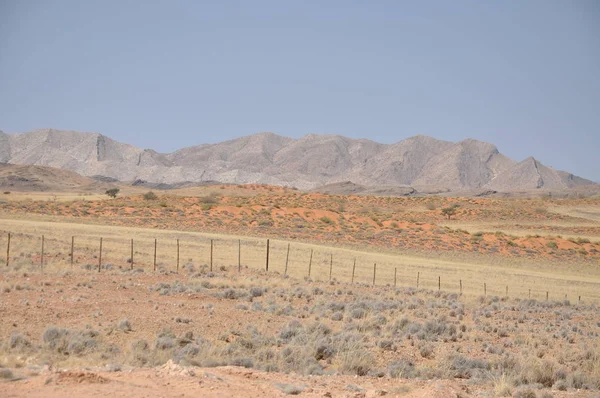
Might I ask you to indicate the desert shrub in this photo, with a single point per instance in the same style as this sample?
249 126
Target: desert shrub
139 353
552 245
538 371
289 389
69 342
337 316
243 362
18 342
426 351
6 374
466 368
525 392
387 345
124 325
357 361
403 369
209 199
233 294
326 220
150 196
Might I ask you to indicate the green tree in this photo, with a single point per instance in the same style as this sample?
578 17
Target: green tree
113 192
450 211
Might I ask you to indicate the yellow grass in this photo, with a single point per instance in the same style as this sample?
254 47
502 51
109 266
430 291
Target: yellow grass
558 280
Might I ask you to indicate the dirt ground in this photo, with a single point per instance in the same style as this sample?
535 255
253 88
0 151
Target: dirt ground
228 331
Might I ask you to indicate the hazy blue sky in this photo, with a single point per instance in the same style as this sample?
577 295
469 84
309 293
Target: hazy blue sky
522 74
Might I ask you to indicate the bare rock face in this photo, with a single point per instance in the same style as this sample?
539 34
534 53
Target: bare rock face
531 174
308 162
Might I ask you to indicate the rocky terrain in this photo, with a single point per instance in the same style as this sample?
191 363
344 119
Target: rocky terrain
27 178
419 162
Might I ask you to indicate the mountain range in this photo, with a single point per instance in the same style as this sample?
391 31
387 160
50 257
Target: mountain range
421 162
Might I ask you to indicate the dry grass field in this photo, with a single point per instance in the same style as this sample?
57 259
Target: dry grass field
506 302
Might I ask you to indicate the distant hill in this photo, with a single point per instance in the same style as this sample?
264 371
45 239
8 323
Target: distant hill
306 163
27 178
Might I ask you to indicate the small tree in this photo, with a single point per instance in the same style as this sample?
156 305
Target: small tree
450 211
150 196
113 192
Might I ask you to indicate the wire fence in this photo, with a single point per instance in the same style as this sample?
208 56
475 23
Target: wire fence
298 260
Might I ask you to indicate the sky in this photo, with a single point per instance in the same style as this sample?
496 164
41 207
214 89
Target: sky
523 75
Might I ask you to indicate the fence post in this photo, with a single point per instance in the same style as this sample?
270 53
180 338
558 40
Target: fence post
177 255
8 251
353 269
72 249
418 274
239 255
484 289
395 274
529 293
100 256
154 254
374 272
506 290
460 281
267 260
330 266
546 296
579 301
131 253
42 257
310 262
211 255
287 259
439 283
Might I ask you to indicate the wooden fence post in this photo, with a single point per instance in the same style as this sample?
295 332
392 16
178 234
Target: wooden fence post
287 259
353 269
154 254
131 253
239 255
100 256
310 262
484 289
546 296
330 266
374 272
460 281
8 251
177 255
42 257
418 275
211 255
395 276
72 249
529 293
267 260
439 283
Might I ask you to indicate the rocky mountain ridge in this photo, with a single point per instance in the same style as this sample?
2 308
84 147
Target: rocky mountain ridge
305 163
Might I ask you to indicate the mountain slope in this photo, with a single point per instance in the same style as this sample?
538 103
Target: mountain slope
308 162
42 179
531 174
